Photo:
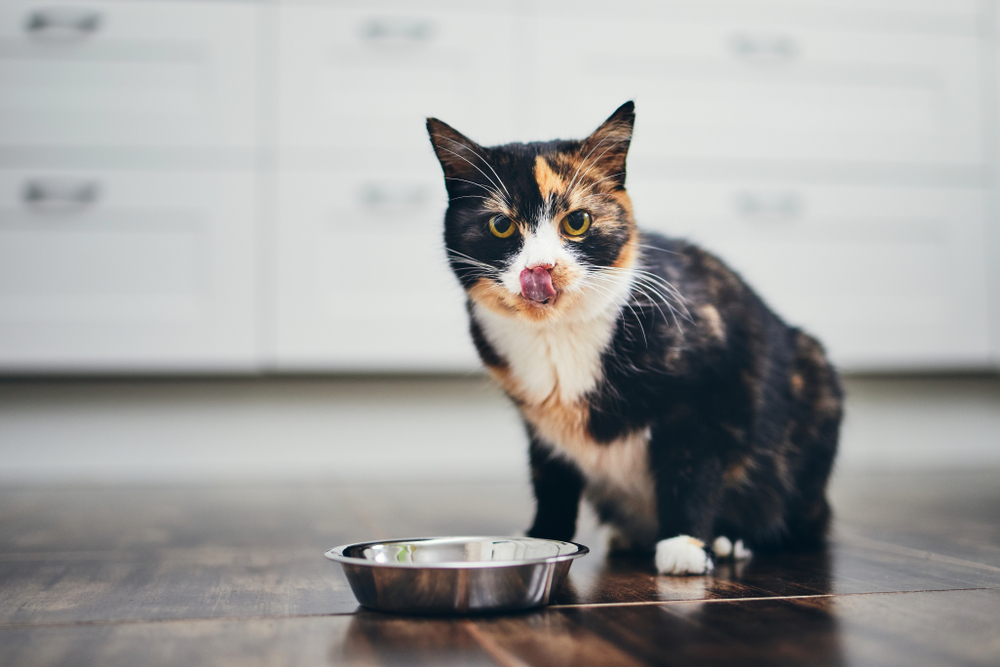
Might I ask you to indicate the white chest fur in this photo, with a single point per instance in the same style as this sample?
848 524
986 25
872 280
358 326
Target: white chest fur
552 361
551 368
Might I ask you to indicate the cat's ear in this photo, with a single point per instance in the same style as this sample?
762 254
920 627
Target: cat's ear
608 145
459 155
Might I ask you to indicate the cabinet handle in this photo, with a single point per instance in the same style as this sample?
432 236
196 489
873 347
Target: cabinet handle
764 48
769 206
379 195
63 20
60 192
396 30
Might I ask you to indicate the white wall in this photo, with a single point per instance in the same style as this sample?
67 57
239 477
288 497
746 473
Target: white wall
398 428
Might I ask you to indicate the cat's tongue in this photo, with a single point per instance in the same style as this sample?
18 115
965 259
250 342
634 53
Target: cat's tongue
536 284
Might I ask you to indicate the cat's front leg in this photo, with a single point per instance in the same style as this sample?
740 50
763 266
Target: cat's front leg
558 485
688 481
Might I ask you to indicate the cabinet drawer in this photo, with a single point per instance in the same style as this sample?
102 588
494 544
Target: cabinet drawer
886 277
362 81
126 271
83 73
809 83
362 279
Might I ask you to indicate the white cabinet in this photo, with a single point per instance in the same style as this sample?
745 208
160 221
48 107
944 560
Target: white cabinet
362 278
82 73
111 261
356 83
247 184
725 82
888 278
124 271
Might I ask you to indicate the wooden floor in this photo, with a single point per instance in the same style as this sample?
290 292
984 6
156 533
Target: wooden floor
235 575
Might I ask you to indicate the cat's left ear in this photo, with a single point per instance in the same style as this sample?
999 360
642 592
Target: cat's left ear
460 156
608 145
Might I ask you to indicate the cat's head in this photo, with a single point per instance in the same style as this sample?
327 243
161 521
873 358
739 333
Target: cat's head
540 231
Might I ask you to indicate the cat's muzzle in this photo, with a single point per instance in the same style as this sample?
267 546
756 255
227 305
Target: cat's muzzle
536 284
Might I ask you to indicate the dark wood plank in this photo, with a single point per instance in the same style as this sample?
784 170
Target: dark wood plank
939 628
172 584
126 553
948 513
906 629
131 553
112 519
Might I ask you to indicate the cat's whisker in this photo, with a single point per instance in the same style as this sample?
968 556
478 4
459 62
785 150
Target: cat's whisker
592 150
657 280
596 161
495 184
596 195
652 286
493 192
601 180
653 247
583 162
610 293
471 197
666 300
462 258
487 163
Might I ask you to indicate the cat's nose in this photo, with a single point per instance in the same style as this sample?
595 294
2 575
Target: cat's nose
541 265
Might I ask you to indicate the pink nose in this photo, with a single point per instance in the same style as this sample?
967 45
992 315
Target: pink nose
536 283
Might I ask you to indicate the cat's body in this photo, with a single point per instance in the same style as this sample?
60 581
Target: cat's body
651 379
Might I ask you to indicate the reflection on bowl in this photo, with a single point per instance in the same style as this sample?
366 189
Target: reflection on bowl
456 574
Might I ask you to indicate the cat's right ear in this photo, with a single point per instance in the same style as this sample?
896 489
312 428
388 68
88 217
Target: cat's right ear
459 155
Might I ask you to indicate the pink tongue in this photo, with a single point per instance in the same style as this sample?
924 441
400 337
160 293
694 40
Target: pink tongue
536 284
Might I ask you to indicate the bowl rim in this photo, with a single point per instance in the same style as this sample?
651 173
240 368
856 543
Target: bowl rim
337 553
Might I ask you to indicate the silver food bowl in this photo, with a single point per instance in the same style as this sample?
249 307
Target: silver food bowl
440 575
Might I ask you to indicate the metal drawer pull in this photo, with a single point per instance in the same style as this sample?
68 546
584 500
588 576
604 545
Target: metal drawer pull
388 30
769 206
373 195
60 192
764 48
63 20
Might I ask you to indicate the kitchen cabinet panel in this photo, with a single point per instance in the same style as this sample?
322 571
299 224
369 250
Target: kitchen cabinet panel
747 86
886 277
120 271
128 74
362 277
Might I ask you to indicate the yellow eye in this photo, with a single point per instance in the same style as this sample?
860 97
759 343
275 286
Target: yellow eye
501 226
576 223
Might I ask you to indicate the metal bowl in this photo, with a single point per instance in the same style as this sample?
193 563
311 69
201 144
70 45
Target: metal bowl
440 575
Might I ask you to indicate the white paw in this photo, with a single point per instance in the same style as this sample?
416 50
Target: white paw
724 548
682 555
740 552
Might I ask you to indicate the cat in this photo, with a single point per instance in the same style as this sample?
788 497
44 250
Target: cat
651 379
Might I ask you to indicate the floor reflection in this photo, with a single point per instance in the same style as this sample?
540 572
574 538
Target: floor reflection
702 619
374 638
633 578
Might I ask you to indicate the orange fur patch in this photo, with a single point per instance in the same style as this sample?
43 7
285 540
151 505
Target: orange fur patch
713 322
627 257
549 182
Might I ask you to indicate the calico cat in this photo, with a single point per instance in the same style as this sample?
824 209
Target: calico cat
651 379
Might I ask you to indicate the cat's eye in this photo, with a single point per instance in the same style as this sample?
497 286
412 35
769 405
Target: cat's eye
576 223
501 226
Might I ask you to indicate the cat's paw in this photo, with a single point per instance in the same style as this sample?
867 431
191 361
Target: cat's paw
724 548
682 555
